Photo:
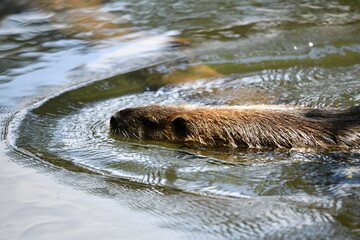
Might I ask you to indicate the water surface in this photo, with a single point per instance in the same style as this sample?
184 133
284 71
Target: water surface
60 86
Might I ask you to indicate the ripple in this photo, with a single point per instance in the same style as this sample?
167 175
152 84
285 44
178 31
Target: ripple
80 136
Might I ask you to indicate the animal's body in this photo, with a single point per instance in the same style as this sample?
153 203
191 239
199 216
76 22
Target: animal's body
243 126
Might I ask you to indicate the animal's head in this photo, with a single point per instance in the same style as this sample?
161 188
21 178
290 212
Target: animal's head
153 122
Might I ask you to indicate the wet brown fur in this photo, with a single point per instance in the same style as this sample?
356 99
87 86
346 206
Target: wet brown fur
242 126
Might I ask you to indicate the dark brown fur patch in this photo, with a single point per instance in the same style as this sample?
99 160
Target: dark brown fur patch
242 126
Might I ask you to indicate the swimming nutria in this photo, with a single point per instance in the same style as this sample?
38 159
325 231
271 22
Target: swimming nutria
242 126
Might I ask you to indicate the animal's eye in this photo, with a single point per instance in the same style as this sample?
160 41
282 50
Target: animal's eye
181 126
149 122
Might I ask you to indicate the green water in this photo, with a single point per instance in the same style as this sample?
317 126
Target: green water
60 84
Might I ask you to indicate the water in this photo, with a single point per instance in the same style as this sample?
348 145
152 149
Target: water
60 84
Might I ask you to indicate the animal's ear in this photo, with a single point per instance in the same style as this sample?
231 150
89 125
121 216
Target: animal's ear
181 127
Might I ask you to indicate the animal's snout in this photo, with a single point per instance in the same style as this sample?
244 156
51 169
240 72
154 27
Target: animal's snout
113 121
118 117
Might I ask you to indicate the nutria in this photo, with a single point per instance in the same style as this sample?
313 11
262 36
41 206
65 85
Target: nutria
242 126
